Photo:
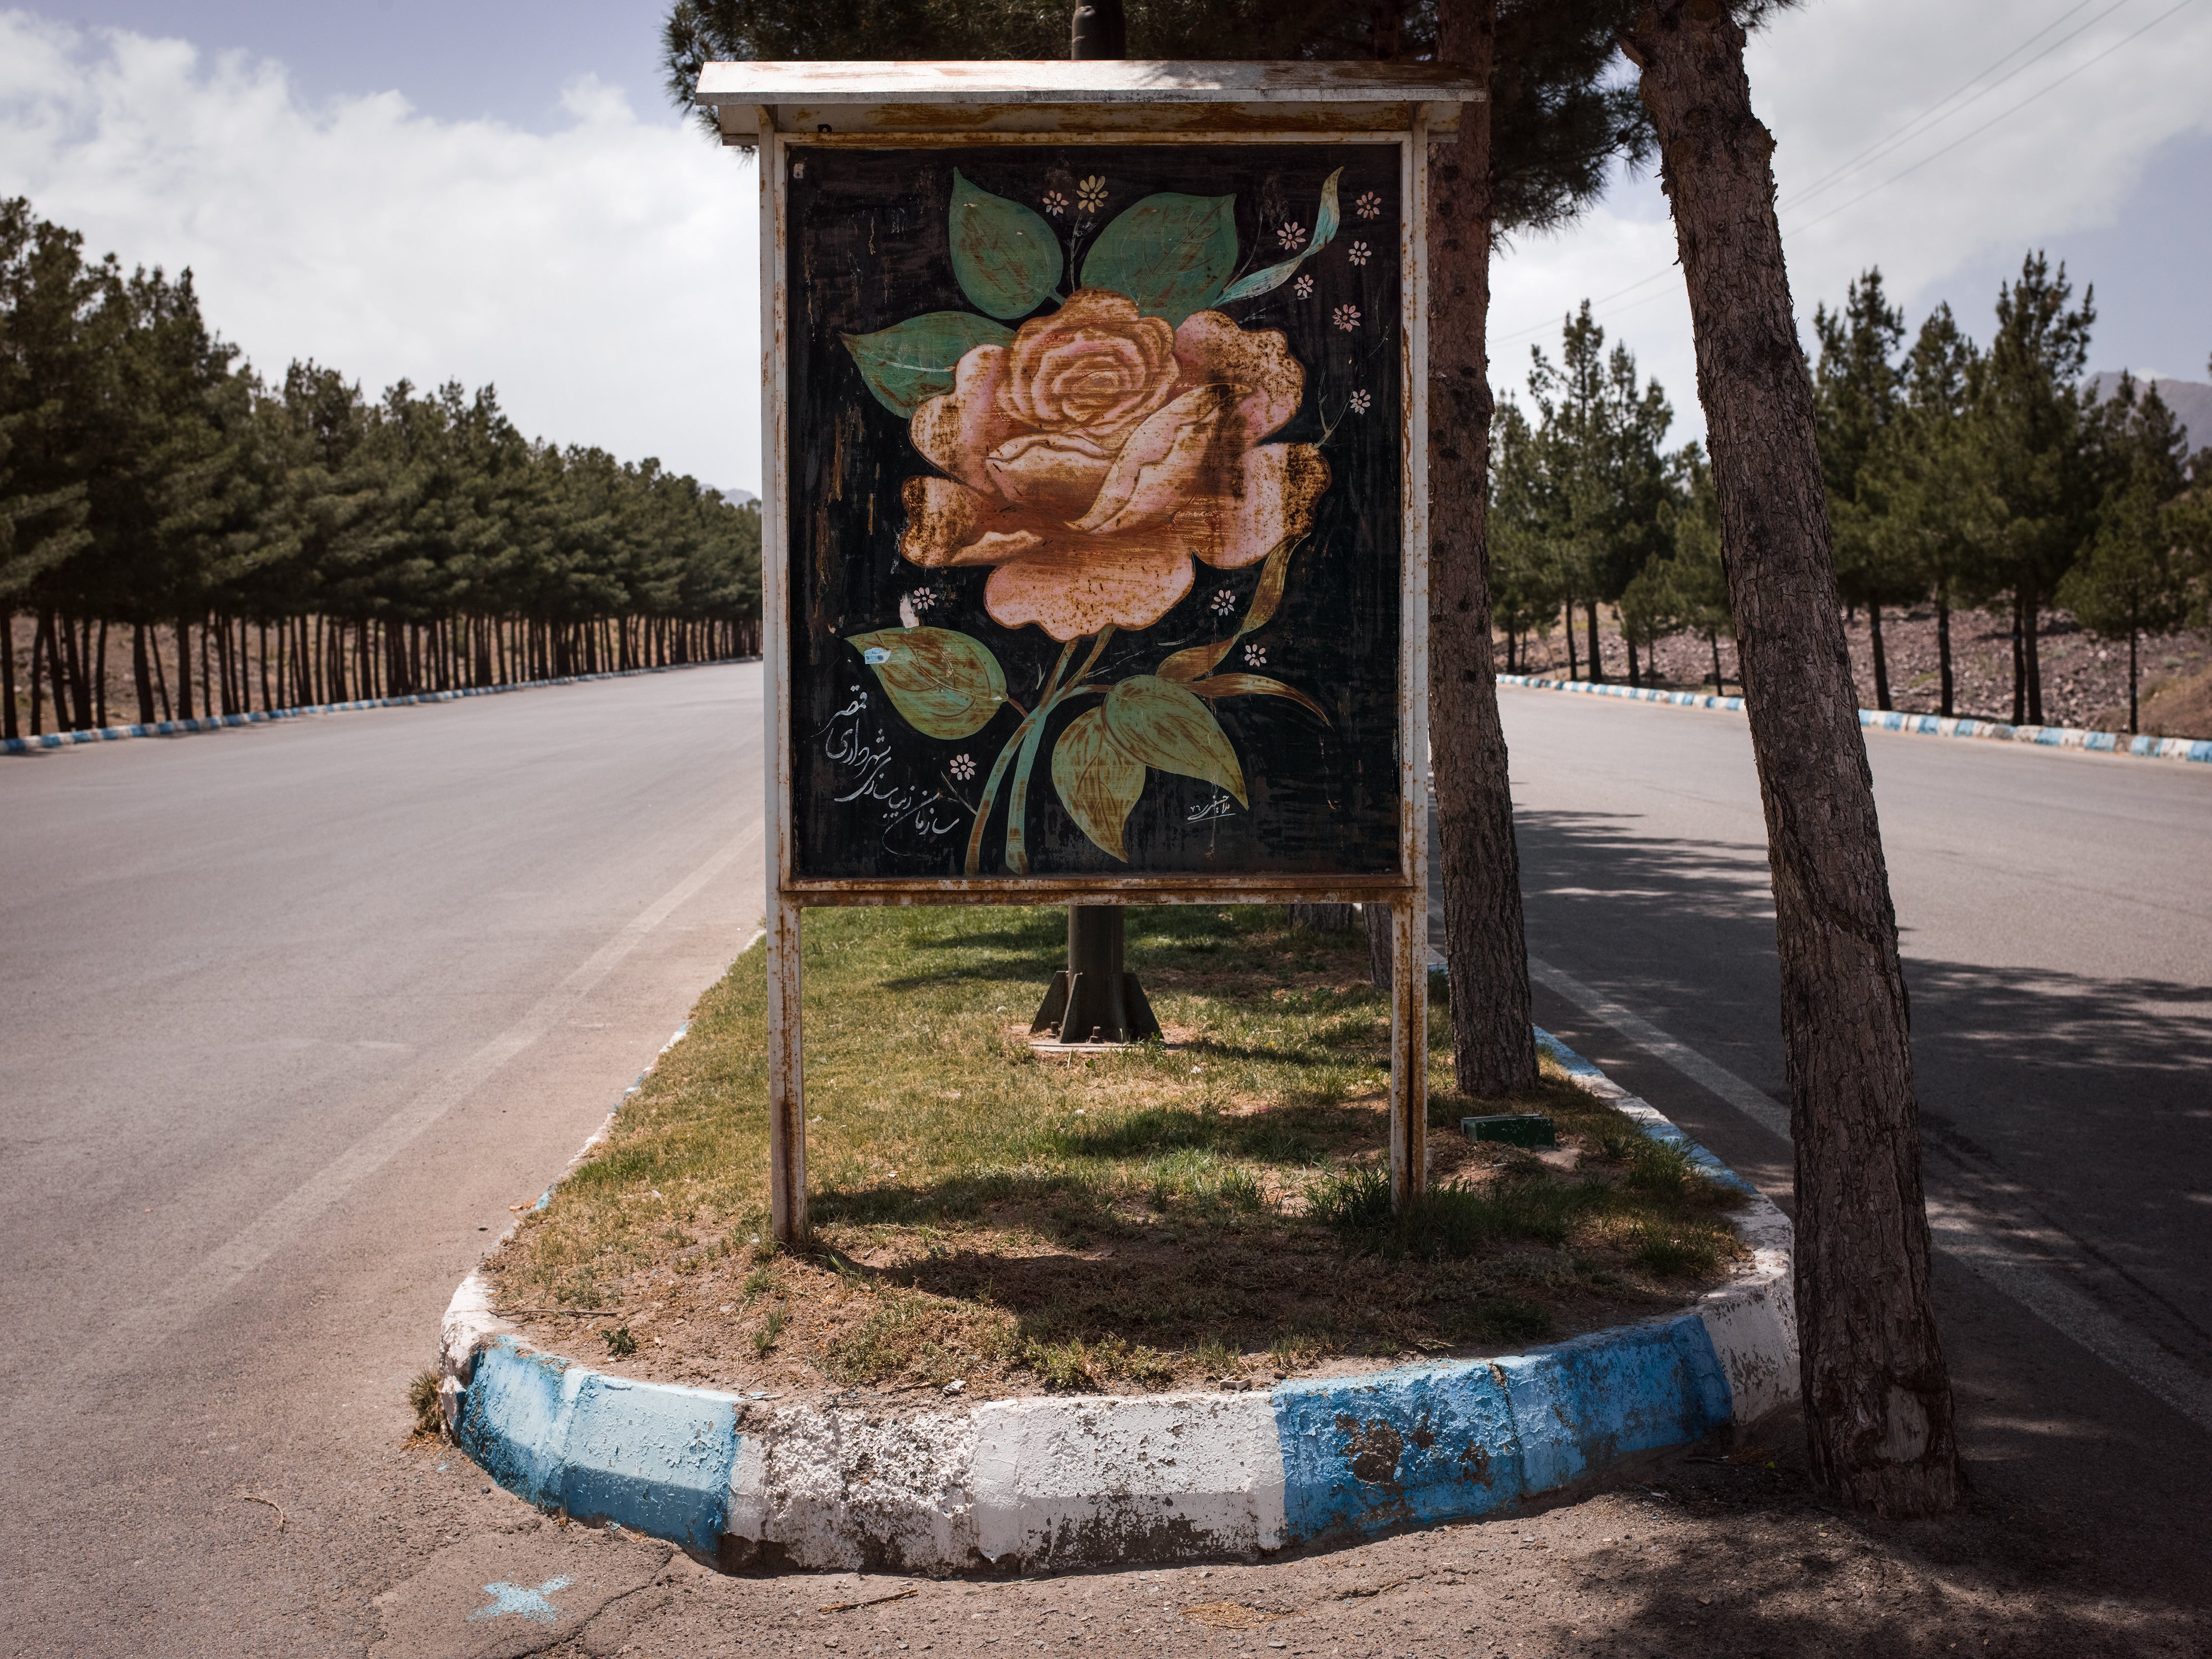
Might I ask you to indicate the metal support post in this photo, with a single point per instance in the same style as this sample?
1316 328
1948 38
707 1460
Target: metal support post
1095 999
786 1085
1409 1047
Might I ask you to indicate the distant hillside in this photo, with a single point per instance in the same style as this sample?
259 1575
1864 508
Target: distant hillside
743 498
2190 401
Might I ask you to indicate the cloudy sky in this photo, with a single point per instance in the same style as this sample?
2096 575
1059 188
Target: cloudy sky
487 190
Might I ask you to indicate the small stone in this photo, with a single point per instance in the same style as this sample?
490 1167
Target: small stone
958 1386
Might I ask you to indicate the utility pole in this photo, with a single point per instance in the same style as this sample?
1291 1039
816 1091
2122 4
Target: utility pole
1095 998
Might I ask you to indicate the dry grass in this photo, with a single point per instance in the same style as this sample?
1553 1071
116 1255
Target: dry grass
1209 1209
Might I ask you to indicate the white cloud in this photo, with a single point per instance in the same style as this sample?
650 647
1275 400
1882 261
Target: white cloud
604 276
1831 80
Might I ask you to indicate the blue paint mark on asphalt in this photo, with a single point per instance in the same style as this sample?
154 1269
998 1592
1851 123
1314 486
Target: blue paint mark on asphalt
530 1604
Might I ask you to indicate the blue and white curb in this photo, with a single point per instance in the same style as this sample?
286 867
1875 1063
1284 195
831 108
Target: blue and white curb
1062 1482
1925 725
261 716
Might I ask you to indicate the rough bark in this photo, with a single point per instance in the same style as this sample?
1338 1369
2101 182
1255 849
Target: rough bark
184 669
2033 605
1943 650
1880 656
1485 950
1374 920
1877 1397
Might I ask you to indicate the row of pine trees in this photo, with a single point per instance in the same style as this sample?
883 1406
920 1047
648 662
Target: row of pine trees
207 543
1959 476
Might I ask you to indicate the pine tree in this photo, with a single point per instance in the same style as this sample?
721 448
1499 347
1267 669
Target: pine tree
1858 396
2133 580
1922 497
2036 452
1877 1395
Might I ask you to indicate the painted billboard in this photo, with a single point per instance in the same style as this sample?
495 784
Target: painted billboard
1094 508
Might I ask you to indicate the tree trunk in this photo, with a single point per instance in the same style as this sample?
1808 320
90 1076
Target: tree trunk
1322 919
2032 607
1574 663
1720 685
99 680
38 668
141 676
1877 1397
2019 667
1635 669
1376 919
1485 948
1943 652
2133 717
1596 657
7 715
71 679
1880 658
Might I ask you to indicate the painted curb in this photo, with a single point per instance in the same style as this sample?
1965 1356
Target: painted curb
1067 1482
261 716
1925 725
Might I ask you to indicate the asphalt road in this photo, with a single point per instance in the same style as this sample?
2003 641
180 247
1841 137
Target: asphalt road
2056 916
296 1013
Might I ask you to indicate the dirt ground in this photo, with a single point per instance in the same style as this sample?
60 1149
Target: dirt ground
2085 680
1702 1551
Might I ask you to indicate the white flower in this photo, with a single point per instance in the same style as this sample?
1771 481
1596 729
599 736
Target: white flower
1090 193
1303 288
1224 601
1345 317
1256 656
1054 202
1360 402
1357 253
924 598
1292 236
963 767
1368 205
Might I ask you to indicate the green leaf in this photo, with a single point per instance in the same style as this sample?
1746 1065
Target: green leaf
1255 685
1170 254
1166 725
1325 225
1097 782
913 361
946 684
1006 256
1195 660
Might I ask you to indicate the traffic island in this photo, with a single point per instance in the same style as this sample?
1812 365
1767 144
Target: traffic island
1151 1306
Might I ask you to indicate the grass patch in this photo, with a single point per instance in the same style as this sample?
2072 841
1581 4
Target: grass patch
1177 1212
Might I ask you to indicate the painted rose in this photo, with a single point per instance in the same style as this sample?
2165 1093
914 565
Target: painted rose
1092 456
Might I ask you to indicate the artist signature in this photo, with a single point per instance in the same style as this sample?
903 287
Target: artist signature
1221 806
865 756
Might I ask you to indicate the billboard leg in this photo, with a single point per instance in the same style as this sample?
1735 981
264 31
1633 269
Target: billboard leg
1096 998
1409 1047
787 1094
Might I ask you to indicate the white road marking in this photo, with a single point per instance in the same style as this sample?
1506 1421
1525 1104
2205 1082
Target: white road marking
198 1287
2065 1309
1753 1102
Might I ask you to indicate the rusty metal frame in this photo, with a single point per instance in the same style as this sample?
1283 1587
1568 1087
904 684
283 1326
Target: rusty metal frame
1406 892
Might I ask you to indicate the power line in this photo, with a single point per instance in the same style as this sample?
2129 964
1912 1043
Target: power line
1994 119
1936 111
1964 137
